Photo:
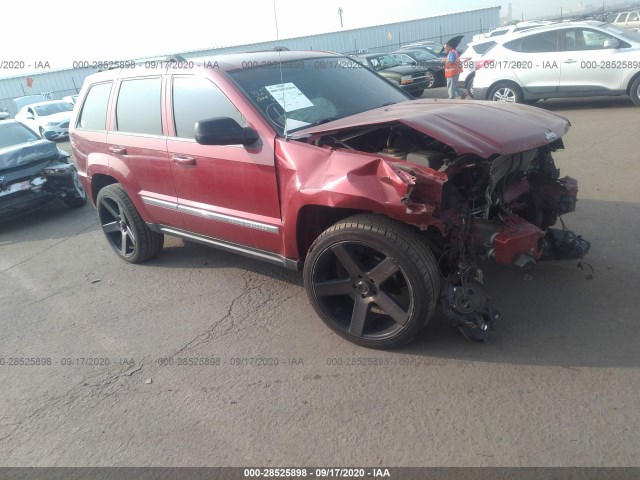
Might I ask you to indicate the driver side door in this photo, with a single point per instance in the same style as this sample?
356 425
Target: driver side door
225 192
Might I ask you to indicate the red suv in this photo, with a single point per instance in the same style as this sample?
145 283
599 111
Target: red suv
307 160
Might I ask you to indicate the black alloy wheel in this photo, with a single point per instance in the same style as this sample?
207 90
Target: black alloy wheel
372 280
126 232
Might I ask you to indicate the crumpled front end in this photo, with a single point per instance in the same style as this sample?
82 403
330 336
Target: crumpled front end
471 204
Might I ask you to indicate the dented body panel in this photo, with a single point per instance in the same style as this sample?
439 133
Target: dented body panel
341 179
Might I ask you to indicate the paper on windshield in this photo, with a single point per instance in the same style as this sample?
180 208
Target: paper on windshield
289 96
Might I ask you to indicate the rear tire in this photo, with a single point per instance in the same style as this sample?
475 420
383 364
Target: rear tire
506 92
372 280
469 86
126 232
417 93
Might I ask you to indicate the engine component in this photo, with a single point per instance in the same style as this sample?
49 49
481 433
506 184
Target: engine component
467 304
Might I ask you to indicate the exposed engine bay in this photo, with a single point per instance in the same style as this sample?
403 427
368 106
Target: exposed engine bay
500 208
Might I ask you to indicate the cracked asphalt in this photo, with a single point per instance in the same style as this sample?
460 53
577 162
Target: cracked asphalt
266 383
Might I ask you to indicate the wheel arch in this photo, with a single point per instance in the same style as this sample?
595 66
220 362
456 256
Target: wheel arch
633 78
98 182
313 220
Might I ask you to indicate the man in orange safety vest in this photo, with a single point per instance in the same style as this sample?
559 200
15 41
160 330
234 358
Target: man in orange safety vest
452 69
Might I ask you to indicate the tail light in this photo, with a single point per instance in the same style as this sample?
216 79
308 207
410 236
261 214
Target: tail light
482 63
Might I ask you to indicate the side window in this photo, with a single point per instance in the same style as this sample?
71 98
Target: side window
138 107
622 18
94 110
196 98
573 40
541 42
633 17
594 40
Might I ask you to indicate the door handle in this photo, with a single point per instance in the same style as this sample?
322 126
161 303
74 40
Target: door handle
118 149
571 60
184 160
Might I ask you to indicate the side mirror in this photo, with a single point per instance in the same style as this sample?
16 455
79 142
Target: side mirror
224 131
30 116
611 43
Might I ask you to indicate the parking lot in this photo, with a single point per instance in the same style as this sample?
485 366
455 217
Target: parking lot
200 357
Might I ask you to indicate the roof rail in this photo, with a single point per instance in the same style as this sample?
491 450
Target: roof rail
162 59
274 49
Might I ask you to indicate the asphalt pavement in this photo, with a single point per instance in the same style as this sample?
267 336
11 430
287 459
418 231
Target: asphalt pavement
203 358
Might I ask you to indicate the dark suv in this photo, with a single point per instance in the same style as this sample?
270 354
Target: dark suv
295 158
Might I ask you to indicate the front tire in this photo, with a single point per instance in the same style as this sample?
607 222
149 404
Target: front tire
506 92
78 197
417 93
431 79
635 92
372 280
126 232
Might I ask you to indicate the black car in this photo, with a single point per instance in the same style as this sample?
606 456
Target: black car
34 171
433 65
410 78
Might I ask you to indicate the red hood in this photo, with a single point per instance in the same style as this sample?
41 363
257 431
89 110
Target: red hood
482 128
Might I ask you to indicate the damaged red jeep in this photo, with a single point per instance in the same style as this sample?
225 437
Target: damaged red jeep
307 160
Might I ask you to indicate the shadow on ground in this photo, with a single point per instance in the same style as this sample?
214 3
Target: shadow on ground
559 317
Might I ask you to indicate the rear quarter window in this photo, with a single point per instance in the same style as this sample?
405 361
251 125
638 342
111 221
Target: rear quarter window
483 48
94 110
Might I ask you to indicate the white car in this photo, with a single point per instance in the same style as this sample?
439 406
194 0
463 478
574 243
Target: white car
470 59
573 59
50 119
518 27
70 99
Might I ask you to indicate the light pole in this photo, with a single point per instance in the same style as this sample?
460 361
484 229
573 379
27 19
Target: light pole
340 13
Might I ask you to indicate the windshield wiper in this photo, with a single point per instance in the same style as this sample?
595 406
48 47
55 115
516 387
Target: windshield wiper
326 120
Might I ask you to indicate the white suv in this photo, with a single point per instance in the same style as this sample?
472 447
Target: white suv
574 59
628 20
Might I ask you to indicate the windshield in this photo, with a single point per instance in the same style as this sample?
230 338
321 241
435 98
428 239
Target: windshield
314 91
423 56
15 133
435 49
622 32
380 62
51 108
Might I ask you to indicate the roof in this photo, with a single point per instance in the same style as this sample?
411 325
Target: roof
45 103
225 62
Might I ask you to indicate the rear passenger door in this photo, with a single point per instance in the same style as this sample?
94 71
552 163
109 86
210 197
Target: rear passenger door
226 192
137 148
536 62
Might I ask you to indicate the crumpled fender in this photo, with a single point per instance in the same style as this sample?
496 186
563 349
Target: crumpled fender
309 175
